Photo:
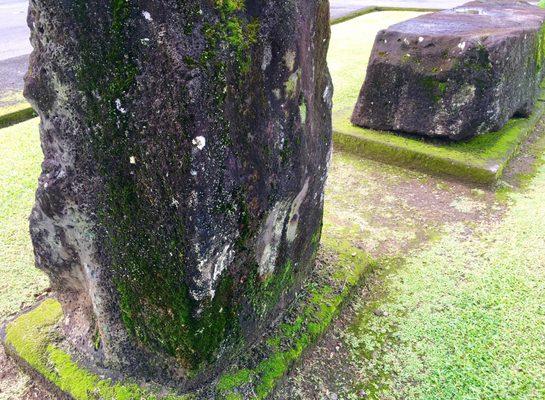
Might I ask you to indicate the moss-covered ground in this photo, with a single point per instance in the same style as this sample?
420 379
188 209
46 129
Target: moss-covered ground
452 306
481 159
457 314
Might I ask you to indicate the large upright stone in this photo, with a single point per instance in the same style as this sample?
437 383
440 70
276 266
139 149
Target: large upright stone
186 145
455 73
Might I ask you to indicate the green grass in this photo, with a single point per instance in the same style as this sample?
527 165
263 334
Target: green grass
481 159
20 158
465 316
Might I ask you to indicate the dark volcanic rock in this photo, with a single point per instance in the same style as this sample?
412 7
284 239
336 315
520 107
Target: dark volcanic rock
456 73
186 147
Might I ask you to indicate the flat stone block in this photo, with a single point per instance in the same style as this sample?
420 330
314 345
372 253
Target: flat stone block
481 159
456 73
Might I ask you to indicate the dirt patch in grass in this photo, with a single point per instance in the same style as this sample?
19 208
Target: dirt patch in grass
14 385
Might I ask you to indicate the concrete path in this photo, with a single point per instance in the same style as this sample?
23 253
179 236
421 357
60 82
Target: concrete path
340 8
12 72
14 45
13 29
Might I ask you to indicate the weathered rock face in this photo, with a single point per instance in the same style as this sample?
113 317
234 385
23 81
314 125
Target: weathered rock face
455 73
186 147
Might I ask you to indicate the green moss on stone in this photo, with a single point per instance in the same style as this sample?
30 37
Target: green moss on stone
229 382
540 49
435 88
293 338
265 292
481 159
149 273
32 338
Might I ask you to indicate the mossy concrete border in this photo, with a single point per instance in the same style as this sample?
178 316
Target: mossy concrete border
11 115
480 160
31 338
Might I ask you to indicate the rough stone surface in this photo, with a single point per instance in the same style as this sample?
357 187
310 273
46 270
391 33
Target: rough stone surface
186 146
456 73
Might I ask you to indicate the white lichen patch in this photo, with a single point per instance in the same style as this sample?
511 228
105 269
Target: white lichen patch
461 98
270 237
267 58
464 96
327 96
147 16
119 106
199 142
293 223
210 268
289 60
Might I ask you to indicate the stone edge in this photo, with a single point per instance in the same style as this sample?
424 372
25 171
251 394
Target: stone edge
21 362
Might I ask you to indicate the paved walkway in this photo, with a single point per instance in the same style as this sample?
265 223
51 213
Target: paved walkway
12 72
14 45
340 8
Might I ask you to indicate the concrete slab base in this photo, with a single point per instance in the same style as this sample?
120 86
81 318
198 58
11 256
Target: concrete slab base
480 160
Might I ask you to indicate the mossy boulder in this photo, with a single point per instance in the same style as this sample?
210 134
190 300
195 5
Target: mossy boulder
456 73
186 146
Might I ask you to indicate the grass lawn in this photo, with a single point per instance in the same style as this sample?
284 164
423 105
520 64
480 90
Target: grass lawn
20 159
465 314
